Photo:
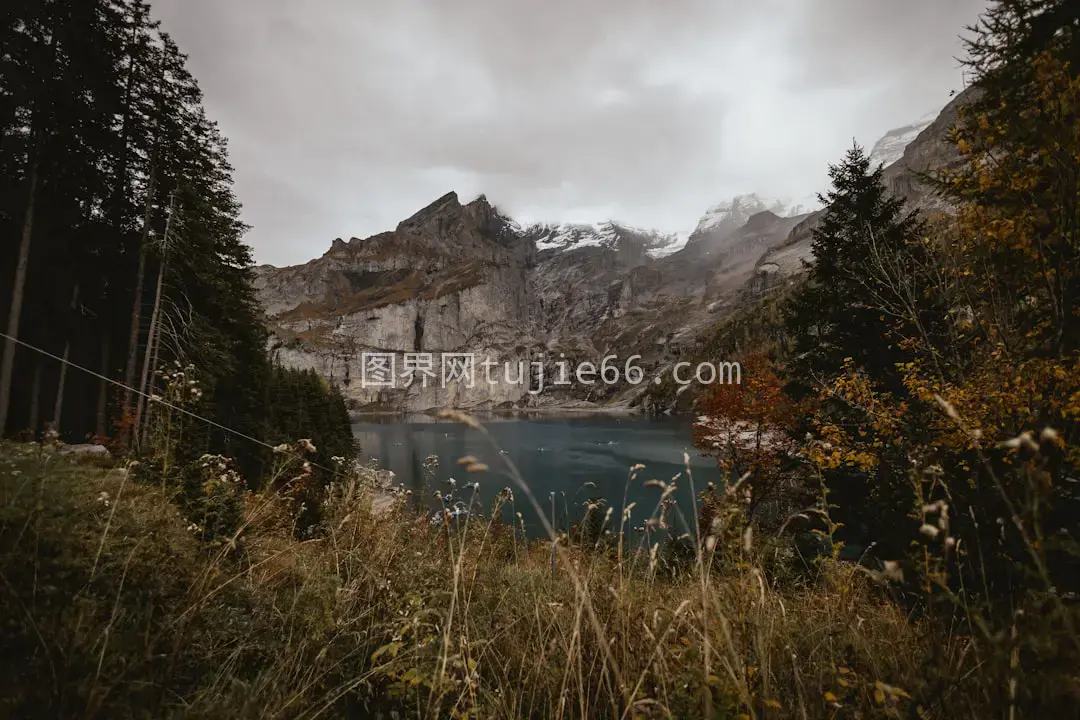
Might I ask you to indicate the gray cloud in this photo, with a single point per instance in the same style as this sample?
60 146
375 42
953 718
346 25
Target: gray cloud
346 116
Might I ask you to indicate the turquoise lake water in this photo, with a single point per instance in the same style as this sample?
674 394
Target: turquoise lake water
575 458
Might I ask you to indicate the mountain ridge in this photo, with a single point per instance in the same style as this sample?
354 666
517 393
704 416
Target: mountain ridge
457 277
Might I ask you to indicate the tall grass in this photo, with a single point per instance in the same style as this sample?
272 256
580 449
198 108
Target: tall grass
115 604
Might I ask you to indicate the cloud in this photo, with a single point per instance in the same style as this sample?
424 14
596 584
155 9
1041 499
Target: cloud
346 116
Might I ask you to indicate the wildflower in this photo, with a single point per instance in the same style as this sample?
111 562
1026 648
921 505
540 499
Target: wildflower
103 498
893 571
948 408
937 507
306 445
281 449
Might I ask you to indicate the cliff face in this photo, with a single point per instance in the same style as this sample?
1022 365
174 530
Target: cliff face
460 278
928 153
463 278
450 278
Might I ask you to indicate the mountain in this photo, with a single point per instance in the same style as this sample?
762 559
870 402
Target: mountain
464 278
891 146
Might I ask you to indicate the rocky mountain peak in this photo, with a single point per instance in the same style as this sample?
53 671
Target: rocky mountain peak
734 213
446 207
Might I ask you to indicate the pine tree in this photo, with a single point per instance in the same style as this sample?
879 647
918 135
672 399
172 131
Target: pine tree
56 100
853 324
102 129
848 306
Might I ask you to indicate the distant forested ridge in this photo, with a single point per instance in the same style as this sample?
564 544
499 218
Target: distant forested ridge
122 247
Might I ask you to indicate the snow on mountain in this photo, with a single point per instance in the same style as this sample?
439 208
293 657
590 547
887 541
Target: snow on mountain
676 242
574 236
567 236
890 148
801 206
735 213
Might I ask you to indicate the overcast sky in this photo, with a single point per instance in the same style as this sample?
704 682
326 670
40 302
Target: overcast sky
346 116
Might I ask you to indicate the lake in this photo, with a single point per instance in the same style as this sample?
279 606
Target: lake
575 458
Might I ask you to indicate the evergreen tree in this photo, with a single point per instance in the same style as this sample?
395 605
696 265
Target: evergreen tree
853 323
104 145
846 309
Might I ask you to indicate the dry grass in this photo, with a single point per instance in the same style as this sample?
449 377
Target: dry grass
113 609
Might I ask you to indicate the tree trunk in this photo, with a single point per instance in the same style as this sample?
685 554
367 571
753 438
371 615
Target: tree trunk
150 357
151 344
155 338
35 400
59 404
7 365
103 389
136 305
148 353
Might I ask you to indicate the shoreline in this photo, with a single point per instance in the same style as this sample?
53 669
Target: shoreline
551 411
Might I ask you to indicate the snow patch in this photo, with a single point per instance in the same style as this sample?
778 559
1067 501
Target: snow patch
890 148
575 236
